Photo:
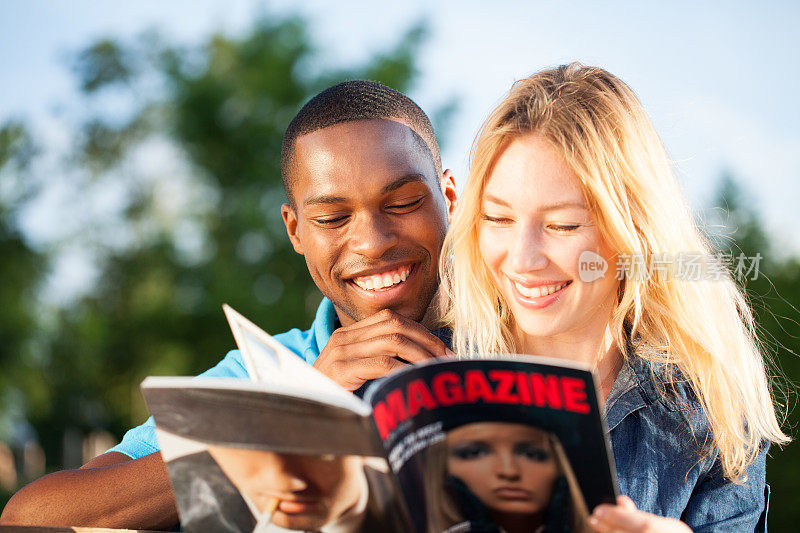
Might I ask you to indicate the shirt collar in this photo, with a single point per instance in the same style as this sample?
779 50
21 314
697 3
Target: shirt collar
632 390
325 322
626 396
641 383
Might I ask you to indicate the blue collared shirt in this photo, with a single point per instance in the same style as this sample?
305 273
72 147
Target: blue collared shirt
308 344
665 461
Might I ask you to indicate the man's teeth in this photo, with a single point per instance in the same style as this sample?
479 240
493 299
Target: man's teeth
384 280
538 292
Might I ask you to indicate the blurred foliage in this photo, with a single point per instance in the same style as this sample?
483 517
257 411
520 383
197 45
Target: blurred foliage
104 63
774 296
200 226
21 271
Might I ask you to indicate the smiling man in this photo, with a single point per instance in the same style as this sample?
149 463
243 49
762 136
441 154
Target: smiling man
376 247
368 207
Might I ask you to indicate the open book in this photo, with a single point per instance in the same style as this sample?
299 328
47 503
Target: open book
453 445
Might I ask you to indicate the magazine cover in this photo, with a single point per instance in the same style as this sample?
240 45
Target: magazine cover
452 445
477 442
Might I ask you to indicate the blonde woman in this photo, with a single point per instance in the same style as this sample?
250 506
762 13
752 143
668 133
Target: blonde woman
501 477
572 240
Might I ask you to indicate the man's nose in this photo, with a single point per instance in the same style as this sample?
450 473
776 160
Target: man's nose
289 473
528 253
373 235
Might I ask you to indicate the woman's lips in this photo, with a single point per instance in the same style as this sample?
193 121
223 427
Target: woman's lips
549 294
539 290
512 493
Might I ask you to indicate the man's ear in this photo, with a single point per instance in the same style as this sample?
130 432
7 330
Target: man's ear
290 221
448 185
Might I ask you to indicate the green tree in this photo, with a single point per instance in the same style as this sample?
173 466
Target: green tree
774 295
21 272
190 138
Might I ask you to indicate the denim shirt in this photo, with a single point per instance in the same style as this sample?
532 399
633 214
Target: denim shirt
664 463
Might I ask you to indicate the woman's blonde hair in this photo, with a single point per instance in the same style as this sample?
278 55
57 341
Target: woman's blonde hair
703 329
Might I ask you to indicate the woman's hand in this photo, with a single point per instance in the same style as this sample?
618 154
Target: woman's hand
626 517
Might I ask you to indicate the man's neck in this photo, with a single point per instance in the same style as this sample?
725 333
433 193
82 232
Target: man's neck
433 316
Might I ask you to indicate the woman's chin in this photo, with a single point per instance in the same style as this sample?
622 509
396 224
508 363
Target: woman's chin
518 509
534 331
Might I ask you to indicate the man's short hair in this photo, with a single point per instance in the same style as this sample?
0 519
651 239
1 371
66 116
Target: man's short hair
349 101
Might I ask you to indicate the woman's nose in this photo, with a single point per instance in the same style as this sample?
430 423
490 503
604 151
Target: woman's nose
528 252
506 466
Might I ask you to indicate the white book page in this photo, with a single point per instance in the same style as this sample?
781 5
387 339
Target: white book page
268 361
346 400
174 446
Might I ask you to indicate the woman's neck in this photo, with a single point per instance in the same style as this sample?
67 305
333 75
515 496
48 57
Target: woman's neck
596 349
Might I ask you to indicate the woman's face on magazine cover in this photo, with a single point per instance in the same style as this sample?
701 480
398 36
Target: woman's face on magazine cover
310 490
541 245
510 467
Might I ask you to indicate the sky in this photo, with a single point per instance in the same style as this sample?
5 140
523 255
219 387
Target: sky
718 79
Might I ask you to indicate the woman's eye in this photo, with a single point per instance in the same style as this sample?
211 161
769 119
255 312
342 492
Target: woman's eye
532 452
472 450
496 219
564 227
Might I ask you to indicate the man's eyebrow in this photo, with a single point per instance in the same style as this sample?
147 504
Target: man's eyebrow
393 186
324 199
396 184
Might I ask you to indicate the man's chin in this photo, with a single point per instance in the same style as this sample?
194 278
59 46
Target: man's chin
404 309
357 309
415 306
299 522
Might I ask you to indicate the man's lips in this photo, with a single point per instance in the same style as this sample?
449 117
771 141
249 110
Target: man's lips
298 506
383 280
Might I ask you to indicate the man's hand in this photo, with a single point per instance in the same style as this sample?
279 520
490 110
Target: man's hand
375 346
626 517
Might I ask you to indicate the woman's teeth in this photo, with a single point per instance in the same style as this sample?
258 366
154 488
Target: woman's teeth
541 290
384 280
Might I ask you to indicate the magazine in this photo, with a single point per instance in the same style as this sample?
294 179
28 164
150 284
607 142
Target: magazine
452 445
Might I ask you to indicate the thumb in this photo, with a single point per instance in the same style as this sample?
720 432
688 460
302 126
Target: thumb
626 503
